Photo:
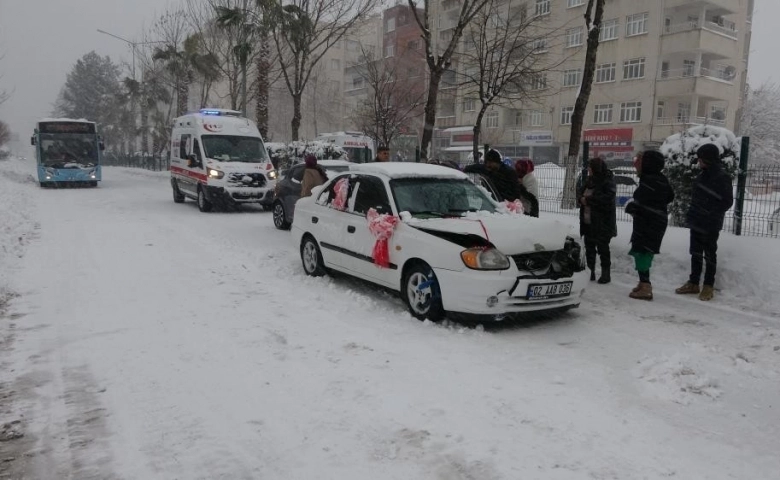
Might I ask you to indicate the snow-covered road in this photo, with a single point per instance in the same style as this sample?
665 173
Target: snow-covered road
151 341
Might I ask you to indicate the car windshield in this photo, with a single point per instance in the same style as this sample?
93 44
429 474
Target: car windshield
439 197
234 148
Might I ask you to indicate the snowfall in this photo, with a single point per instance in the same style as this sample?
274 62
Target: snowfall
142 339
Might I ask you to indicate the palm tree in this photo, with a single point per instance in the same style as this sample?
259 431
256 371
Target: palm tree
176 63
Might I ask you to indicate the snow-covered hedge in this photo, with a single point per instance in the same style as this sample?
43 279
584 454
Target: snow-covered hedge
682 163
286 154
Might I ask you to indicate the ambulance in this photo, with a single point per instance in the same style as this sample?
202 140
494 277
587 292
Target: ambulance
359 146
219 160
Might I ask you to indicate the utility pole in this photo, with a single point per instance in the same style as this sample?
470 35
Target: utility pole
245 57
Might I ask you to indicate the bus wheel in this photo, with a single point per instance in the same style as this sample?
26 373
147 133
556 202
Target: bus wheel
203 204
93 183
178 197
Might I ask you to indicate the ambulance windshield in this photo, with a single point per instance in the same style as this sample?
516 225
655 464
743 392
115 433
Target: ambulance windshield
234 148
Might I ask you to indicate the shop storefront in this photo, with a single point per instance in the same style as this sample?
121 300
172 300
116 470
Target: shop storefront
615 145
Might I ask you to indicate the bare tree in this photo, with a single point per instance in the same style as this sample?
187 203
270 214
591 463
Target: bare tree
303 31
501 61
4 95
759 121
439 60
394 100
593 27
5 133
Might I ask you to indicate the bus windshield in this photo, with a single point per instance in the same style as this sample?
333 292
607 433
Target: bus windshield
234 148
68 150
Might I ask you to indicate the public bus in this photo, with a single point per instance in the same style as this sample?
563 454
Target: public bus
67 152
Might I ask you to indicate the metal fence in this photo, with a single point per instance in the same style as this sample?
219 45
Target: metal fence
157 163
760 208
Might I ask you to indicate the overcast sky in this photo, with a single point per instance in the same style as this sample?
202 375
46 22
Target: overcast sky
42 40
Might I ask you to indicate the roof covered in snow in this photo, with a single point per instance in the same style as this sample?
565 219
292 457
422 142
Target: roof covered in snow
407 170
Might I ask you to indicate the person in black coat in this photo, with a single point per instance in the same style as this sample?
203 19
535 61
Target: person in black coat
711 197
649 208
505 180
598 222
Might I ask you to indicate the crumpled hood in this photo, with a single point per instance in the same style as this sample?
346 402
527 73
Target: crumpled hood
511 234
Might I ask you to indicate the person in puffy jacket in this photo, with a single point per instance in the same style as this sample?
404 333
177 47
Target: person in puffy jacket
712 196
313 175
505 181
598 219
525 172
649 209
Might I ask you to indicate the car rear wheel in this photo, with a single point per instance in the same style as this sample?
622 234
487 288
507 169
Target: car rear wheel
311 256
178 197
420 291
280 220
203 204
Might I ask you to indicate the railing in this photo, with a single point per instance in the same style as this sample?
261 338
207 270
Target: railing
729 30
689 120
692 71
148 162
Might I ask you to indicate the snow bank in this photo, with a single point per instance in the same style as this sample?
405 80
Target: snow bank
16 225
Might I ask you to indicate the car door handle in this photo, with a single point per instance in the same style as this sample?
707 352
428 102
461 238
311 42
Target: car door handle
314 219
351 229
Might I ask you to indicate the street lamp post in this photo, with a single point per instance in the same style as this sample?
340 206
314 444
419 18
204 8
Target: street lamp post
132 44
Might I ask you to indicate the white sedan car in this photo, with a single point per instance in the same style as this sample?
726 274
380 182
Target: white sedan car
453 249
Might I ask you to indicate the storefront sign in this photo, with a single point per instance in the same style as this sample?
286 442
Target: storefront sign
536 138
611 143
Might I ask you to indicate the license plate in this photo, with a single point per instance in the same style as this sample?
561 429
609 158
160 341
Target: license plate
547 291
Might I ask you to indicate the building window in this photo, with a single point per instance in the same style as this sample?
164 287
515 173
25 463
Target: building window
572 78
335 64
357 83
689 66
353 46
631 112
469 104
634 68
664 69
539 82
605 73
636 24
542 7
566 113
492 119
539 45
684 112
660 111
413 71
390 24
574 3
389 51
573 37
602 113
536 118
413 45
609 30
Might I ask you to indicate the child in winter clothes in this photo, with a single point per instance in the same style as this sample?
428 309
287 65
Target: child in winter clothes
649 210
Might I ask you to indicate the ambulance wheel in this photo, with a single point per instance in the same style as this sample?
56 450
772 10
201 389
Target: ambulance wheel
178 197
203 204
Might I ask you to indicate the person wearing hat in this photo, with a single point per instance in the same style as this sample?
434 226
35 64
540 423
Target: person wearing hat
505 180
649 209
711 198
313 175
598 219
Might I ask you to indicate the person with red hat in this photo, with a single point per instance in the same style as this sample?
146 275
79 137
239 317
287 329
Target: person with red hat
313 175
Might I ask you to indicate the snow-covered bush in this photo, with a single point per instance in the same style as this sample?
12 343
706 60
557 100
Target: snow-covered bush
682 163
285 154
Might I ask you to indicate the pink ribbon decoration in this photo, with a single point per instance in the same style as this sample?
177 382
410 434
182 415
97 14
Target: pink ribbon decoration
514 207
381 226
341 189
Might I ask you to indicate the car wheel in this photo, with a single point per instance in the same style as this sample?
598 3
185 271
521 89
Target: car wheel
178 197
420 291
279 215
203 204
311 256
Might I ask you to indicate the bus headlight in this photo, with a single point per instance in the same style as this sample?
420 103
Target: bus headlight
214 173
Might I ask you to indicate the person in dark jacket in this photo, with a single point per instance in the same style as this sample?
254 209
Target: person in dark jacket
505 181
649 208
598 222
711 198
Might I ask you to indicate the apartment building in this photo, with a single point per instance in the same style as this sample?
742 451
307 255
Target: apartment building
663 66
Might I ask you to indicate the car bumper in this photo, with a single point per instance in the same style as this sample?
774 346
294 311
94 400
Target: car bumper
472 292
226 195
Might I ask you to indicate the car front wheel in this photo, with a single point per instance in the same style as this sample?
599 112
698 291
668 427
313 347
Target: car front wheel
178 197
420 291
203 204
311 256
279 214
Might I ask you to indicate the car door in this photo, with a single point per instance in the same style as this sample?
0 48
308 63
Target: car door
330 225
370 192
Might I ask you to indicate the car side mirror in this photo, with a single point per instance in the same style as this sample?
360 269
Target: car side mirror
192 161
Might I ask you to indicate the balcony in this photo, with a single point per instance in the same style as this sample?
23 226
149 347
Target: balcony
703 82
690 37
722 7
687 120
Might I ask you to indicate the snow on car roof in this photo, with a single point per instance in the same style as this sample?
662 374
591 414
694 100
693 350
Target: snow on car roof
407 170
334 163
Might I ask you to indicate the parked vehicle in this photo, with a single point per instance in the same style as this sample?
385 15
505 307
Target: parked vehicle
288 189
453 249
359 146
218 159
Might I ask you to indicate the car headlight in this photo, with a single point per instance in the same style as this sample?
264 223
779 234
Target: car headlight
214 173
272 174
484 259
573 248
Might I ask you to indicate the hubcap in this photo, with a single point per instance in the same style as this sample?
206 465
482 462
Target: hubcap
310 257
278 215
419 291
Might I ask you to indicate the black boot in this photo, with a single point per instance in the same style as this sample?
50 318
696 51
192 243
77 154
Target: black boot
592 275
605 277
